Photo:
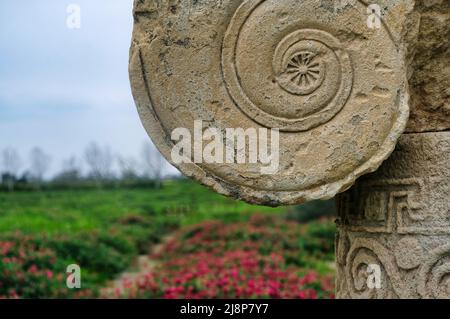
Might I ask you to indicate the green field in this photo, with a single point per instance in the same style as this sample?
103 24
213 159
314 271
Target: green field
104 230
62 212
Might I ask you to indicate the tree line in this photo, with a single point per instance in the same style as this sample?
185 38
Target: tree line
104 169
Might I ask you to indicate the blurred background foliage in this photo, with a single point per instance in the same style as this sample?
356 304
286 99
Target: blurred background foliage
105 226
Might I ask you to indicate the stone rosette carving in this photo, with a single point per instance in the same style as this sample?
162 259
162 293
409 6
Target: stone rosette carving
399 219
335 88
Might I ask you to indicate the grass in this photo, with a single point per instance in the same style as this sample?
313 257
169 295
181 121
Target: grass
64 212
104 230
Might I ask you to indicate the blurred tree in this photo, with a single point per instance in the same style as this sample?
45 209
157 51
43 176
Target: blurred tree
100 161
11 164
71 171
40 163
128 168
154 163
72 164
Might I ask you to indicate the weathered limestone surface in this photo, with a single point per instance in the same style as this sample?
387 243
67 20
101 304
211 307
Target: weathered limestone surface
339 93
428 35
335 88
399 219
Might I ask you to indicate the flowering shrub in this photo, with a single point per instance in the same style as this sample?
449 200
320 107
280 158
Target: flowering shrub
34 267
266 257
263 258
26 270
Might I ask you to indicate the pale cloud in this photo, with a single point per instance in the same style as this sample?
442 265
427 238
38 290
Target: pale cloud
60 88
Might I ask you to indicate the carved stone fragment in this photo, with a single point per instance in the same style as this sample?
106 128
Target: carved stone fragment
399 219
334 87
427 35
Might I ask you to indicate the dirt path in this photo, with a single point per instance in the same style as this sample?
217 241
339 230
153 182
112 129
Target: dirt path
141 265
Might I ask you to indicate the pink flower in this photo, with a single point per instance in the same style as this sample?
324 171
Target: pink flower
33 269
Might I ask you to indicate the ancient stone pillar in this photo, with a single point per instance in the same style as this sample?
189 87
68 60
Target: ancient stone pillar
395 223
398 219
318 94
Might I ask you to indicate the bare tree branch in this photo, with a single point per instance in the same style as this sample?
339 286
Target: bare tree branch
99 160
40 163
11 164
128 167
154 163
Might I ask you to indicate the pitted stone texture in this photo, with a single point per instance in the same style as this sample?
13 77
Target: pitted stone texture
335 88
427 34
399 219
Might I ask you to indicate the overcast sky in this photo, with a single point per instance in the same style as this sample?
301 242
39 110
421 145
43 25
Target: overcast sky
61 88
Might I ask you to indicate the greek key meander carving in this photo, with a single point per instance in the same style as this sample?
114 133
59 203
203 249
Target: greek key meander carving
387 206
400 224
